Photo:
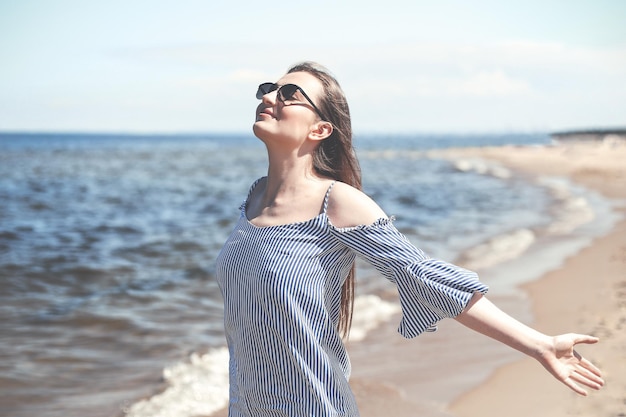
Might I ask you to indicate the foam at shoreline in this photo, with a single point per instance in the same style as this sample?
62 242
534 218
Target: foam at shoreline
195 387
578 215
564 237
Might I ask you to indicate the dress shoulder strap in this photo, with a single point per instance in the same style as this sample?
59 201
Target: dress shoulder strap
327 196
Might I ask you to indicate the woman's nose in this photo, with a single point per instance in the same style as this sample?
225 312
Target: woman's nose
269 98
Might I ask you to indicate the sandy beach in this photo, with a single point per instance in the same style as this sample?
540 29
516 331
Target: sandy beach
587 294
456 373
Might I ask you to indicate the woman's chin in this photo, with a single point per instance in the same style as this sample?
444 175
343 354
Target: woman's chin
259 130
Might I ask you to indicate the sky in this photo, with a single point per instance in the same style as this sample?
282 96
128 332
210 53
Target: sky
411 66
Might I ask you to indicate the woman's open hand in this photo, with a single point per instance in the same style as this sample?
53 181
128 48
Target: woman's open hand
568 366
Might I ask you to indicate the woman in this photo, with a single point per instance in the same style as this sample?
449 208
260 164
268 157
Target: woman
287 270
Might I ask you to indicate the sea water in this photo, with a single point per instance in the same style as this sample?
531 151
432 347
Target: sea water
108 301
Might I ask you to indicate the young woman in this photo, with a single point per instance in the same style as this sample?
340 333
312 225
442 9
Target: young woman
287 270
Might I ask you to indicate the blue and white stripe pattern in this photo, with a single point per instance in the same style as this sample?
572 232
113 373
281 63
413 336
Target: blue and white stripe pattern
282 292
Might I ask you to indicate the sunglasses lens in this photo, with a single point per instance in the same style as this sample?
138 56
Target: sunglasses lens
264 89
287 91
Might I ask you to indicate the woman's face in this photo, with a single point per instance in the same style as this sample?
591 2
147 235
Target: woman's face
289 121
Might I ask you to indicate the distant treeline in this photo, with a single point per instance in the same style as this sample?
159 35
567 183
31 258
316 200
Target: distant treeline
589 134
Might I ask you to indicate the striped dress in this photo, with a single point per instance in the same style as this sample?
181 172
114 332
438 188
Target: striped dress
282 292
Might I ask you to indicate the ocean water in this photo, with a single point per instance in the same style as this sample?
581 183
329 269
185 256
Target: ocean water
109 304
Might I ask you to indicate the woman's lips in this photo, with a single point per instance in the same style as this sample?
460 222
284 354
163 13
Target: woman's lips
267 113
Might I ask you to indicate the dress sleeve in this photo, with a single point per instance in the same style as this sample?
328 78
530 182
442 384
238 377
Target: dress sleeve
429 289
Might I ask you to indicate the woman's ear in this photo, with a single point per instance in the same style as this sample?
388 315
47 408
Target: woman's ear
321 131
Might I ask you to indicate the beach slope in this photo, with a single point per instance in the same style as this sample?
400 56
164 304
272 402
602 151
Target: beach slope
586 294
455 372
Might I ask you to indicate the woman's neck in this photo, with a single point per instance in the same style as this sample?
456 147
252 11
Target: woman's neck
292 192
288 178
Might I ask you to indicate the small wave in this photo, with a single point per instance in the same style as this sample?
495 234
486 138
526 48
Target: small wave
195 387
188 246
571 210
8 235
121 230
369 312
482 167
499 249
69 317
39 206
154 250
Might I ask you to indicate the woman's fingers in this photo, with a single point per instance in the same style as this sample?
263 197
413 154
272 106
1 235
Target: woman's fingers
590 374
575 371
583 338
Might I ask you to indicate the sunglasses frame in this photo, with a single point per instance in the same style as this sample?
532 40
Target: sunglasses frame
268 87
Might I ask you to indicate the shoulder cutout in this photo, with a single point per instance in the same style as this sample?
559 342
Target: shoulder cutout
349 207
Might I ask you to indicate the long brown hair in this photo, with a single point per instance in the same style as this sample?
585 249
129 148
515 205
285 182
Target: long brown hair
335 158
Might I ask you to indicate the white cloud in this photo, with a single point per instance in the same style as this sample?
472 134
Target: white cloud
488 83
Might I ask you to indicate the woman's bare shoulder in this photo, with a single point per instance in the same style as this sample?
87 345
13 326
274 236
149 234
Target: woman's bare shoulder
348 207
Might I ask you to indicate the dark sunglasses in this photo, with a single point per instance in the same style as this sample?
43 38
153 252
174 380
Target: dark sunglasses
284 93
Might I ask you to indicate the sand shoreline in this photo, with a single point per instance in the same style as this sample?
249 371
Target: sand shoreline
587 294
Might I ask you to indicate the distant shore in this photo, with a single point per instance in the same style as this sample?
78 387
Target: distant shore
590 135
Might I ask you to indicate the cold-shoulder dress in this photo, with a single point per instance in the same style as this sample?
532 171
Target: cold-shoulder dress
282 292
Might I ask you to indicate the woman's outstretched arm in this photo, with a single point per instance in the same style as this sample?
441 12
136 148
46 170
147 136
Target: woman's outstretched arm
555 353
